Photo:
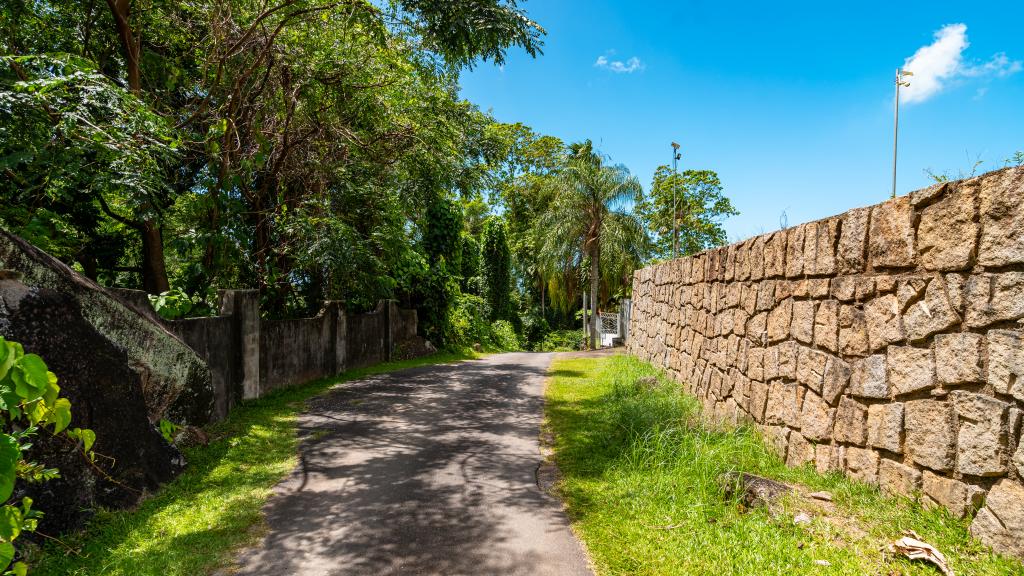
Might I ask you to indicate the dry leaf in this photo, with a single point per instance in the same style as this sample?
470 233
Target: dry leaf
915 549
827 497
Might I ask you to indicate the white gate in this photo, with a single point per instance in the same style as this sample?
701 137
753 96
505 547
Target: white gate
610 328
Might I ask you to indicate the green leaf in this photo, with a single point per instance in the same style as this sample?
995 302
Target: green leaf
30 377
6 554
61 414
7 357
88 437
10 522
19 569
52 389
10 453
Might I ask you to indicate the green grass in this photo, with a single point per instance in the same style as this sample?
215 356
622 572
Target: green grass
640 479
194 524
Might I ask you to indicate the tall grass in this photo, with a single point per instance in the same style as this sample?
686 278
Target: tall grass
641 478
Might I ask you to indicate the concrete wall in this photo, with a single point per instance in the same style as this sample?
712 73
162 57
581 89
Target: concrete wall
249 357
885 342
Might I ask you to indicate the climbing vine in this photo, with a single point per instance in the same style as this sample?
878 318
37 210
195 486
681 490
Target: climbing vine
29 404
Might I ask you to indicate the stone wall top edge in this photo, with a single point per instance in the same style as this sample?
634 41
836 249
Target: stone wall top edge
916 197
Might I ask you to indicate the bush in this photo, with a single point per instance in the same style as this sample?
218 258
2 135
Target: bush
502 336
561 341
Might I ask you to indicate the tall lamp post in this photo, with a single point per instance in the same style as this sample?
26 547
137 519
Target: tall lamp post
675 209
901 80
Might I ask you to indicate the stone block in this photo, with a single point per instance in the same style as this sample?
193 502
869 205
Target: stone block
826 326
910 369
816 418
947 232
837 376
1018 459
1006 362
802 327
981 442
795 251
930 434
800 450
930 315
853 241
755 259
810 368
959 498
1000 523
885 427
891 242
787 360
851 422
779 321
775 255
755 363
897 478
958 358
868 378
844 288
994 298
1002 218
828 458
766 296
956 290
862 464
783 404
758 398
825 250
883 321
853 332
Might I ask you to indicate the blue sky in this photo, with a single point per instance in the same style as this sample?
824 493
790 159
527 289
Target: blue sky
790 102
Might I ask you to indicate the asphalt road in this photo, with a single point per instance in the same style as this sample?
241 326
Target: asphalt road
432 470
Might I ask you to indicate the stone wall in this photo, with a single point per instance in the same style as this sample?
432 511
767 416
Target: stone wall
885 342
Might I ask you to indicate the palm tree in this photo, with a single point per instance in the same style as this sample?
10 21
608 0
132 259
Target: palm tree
592 204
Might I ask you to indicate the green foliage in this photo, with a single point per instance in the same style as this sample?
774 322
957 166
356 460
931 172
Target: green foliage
470 264
176 304
1017 159
29 402
502 336
700 209
561 341
168 429
496 268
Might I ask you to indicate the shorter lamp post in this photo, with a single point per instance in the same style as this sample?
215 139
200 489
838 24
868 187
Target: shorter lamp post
901 80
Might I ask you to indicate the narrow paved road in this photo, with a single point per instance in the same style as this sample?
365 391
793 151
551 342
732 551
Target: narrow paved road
431 470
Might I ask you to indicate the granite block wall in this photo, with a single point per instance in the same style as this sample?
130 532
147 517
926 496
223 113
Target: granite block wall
886 342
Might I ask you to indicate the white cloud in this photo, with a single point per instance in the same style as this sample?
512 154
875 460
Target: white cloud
941 62
618 66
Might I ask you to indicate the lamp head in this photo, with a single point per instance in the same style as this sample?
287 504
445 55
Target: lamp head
675 146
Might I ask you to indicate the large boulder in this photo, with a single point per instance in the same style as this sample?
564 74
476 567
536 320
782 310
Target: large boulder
122 372
175 382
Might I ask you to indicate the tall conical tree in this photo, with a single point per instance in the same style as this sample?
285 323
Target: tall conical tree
496 268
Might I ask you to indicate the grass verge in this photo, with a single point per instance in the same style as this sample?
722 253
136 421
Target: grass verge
640 479
195 522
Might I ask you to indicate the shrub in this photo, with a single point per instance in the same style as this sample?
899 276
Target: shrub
502 336
561 341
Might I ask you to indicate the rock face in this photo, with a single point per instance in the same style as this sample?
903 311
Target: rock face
121 371
886 342
106 396
175 382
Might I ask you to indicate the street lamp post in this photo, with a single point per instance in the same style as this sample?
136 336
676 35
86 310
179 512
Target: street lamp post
901 80
675 208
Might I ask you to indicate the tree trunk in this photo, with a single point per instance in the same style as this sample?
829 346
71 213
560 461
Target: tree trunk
154 269
154 273
594 284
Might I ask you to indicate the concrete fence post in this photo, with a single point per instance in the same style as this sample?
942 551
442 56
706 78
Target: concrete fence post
244 307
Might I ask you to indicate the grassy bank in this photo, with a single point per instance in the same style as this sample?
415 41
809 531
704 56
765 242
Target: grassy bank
195 522
640 479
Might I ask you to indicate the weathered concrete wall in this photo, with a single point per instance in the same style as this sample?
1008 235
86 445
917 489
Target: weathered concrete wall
885 342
